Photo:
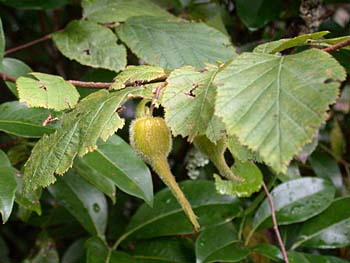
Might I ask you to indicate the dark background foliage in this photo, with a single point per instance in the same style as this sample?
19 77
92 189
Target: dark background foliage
28 237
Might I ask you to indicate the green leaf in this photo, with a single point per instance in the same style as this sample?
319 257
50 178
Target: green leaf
292 173
102 183
47 91
14 68
189 100
137 75
162 250
257 13
295 201
343 57
219 243
269 251
331 41
338 142
2 42
240 151
343 103
109 11
296 257
172 44
307 150
330 229
211 208
116 161
35 4
94 117
8 187
285 43
246 170
98 252
46 251
268 101
274 253
75 253
19 120
28 201
326 167
92 45
83 201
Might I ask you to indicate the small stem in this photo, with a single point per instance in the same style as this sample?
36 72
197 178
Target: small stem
31 43
337 46
225 170
275 225
156 95
85 84
142 110
252 207
161 167
6 77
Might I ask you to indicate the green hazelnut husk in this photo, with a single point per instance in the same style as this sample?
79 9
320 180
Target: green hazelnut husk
151 139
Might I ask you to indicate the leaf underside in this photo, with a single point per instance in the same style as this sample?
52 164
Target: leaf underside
92 45
95 117
268 101
110 11
189 101
172 43
47 91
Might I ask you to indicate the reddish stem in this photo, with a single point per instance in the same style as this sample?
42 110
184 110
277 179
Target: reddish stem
31 43
337 46
275 225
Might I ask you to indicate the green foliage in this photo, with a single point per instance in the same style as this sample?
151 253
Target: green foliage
285 43
211 208
15 68
110 11
92 45
19 120
330 229
94 118
269 100
46 91
295 201
8 187
165 250
173 43
133 75
115 161
86 204
257 13
243 84
252 180
219 243
189 110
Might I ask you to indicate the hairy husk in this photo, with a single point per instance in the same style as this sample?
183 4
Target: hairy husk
215 153
151 139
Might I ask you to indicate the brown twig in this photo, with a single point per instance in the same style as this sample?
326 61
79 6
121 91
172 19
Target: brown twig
337 46
156 93
85 84
31 43
49 119
275 225
98 85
